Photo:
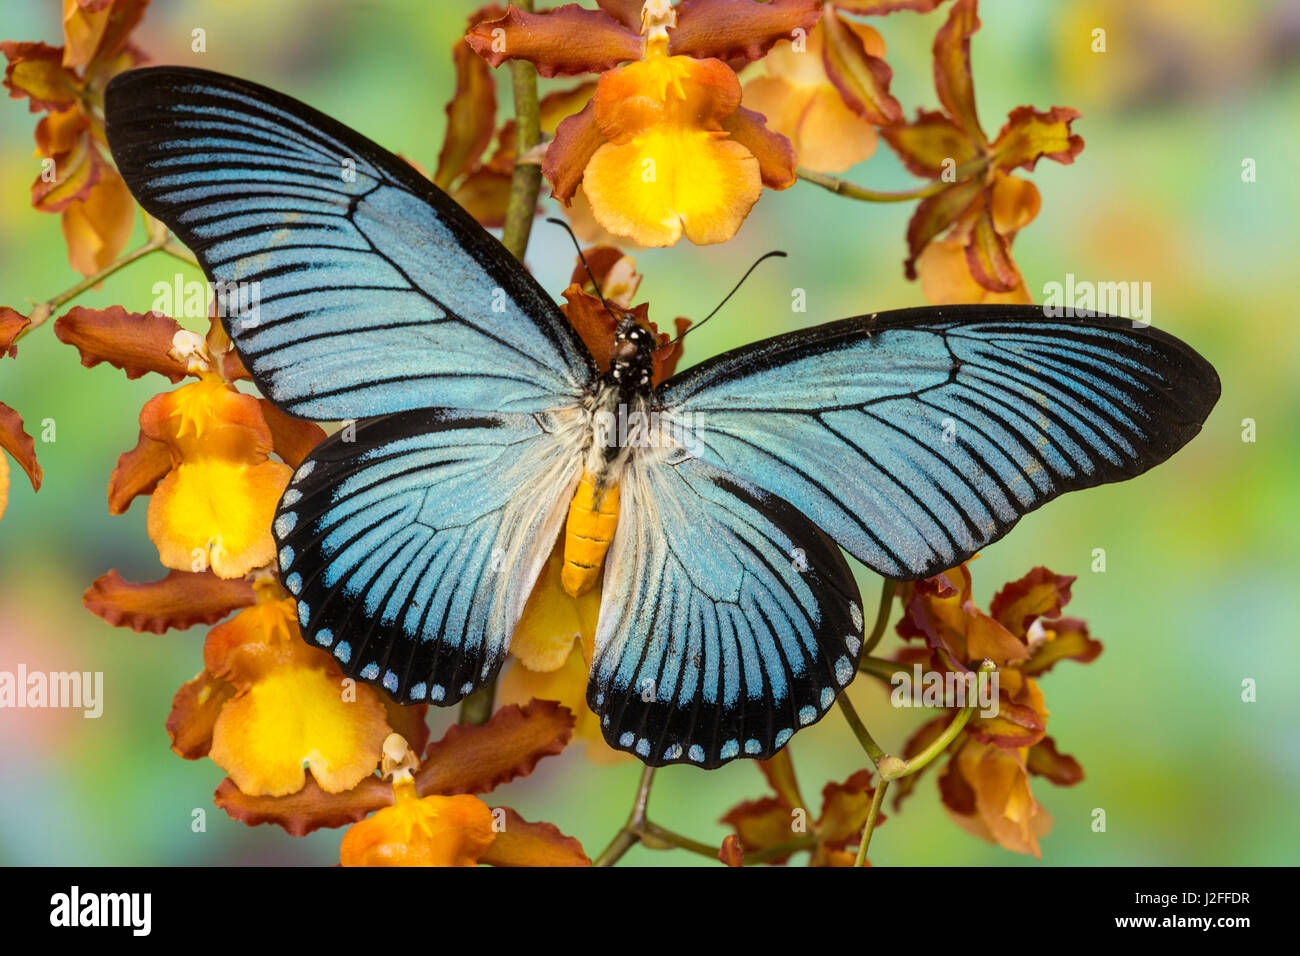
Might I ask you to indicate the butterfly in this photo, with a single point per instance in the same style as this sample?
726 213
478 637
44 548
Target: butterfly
714 508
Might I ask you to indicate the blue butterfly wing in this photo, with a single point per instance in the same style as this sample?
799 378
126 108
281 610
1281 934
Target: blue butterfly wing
412 549
915 438
355 287
728 621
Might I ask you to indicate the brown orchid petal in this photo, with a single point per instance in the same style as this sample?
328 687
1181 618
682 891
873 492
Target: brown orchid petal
862 79
875 8
925 735
309 808
930 145
775 154
952 77
600 260
1021 719
576 140
554 108
1067 639
532 844
15 440
1044 760
293 438
563 41
1040 593
626 12
36 71
731 29
594 325
138 472
76 173
935 214
955 791
731 853
779 772
409 721
471 116
762 824
132 341
97 229
114 53
845 807
988 255
1030 135
12 323
472 759
178 601
484 194
946 279
194 713
59 132
666 357
84 24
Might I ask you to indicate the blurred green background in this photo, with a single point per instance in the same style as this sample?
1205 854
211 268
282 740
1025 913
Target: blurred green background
1200 587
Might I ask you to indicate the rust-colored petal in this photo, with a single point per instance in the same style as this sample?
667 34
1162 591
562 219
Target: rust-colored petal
293 438
97 229
180 600
563 41
762 824
36 71
138 472
738 29
952 77
84 22
988 254
15 440
1064 639
533 844
472 759
409 721
308 809
132 341
471 116
484 194
946 279
576 140
1014 203
1040 593
873 8
124 17
779 772
12 323
626 12
929 145
194 713
555 107
1044 760
775 154
844 810
594 325
1005 810
1030 135
77 173
862 79
935 214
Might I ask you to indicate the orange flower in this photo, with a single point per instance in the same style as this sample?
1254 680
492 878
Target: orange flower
664 148
985 784
79 180
982 206
13 436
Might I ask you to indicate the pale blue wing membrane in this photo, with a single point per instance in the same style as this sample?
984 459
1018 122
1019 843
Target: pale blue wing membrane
411 550
915 438
375 292
728 621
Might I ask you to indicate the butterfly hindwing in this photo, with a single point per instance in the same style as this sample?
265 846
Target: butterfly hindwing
729 621
915 438
352 285
412 547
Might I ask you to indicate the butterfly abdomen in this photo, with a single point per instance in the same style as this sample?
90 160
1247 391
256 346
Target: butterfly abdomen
593 516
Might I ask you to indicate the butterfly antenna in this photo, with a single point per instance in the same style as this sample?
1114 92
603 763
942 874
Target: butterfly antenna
692 328
583 259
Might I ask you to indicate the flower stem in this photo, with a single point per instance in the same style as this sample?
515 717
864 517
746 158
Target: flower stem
887 588
869 827
630 834
881 668
842 187
873 749
44 310
526 180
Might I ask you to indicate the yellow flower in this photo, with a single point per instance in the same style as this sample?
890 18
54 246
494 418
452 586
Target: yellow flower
420 831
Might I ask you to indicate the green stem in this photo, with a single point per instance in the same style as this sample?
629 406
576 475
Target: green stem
873 749
869 827
842 187
630 834
887 588
652 833
881 668
940 743
526 180
44 310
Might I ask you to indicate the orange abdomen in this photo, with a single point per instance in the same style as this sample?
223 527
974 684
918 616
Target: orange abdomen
587 534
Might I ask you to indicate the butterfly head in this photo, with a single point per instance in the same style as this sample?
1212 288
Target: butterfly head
631 366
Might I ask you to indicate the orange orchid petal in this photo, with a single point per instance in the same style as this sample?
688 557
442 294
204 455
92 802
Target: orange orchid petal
1030 135
484 194
77 173
307 809
96 230
930 145
875 8
292 438
861 78
431 831
988 254
1044 760
593 324
225 361
36 71
1065 639
552 620
114 53
472 759
194 713
58 133
1040 593
522 843
180 600
83 27
471 116
554 108
12 324
845 807
762 824
576 141
15 440
1022 715
138 472
774 152
132 341
738 29
952 77
563 41
1005 811
831 137
946 279
935 214
779 771
732 852
1015 203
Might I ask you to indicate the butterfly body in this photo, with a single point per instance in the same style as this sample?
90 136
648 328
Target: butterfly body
714 509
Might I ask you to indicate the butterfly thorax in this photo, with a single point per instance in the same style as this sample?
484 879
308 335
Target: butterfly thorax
619 423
